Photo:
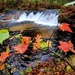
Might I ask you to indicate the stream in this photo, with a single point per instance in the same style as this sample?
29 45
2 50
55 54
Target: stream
32 23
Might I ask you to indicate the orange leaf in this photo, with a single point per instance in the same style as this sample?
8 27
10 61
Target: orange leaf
38 38
3 56
65 27
1 66
65 46
26 40
36 45
21 48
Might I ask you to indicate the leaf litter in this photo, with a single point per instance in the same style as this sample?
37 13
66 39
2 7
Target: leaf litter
30 56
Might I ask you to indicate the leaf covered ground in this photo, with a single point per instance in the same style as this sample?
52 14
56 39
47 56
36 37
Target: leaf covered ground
25 55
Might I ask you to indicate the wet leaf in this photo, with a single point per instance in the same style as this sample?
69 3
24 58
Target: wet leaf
7 49
37 43
49 43
69 68
26 40
41 73
1 66
21 48
36 46
38 38
3 56
13 70
44 45
22 72
4 34
29 69
65 27
65 46
17 36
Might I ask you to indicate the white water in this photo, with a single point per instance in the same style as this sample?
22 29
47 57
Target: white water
49 17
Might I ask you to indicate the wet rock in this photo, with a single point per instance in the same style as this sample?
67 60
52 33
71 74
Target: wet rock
9 17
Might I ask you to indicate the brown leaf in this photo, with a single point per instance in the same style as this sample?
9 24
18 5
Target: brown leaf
41 73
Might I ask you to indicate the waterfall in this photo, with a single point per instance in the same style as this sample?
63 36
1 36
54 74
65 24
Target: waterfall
47 17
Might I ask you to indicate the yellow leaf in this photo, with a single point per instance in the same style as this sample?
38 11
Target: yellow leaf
49 43
7 49
1 66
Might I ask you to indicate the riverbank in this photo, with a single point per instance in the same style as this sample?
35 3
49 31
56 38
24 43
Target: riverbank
31 4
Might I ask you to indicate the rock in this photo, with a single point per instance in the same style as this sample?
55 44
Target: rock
9 17
32 29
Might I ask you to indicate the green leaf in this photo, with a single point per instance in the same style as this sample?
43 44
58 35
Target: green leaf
69 68
43 45
4 34
58 60
22 72
29 69
17 36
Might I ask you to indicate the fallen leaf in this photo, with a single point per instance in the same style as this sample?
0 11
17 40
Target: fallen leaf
65 46
4 34
21 48
7 49
36 46
18 35
22 72
3 56
44 45
49 43
41 73
38 38
1 66
28 69
68 68
65 27
26 40
37 43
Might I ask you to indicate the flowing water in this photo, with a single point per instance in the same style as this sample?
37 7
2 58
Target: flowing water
47 17
41 21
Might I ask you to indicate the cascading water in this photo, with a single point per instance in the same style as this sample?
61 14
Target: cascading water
47 17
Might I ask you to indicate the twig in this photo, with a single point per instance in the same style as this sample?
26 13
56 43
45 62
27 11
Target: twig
56 53
62 59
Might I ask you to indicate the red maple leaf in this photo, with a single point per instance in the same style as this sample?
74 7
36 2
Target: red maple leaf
65 46
65 27
3 56
21 48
